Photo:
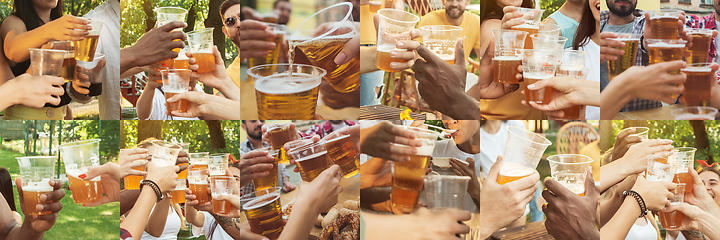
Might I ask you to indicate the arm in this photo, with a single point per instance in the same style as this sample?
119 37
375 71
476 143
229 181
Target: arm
194 217
486 34
200 104
135 222
9 229
17 39
619 226
367 55
156 223
610 206
128 198
145 101
230 225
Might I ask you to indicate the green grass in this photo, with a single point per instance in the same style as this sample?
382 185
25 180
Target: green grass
74 221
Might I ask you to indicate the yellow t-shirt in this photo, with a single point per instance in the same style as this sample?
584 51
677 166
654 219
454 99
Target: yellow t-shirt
470 26
234 72
368 35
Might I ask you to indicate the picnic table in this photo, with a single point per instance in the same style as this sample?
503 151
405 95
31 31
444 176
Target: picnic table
382 112
535 231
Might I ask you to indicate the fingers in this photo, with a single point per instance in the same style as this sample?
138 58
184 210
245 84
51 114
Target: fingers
349 51
590 190
53 196
52 207
460 54
495 169
428 55
172 25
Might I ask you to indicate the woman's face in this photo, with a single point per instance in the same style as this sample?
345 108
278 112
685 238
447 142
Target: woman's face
466 129
712 184
505 3
595 8
45 4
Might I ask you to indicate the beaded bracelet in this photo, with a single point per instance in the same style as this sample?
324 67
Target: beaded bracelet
154 187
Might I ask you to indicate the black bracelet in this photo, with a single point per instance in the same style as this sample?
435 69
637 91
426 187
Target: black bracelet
154 187
639 199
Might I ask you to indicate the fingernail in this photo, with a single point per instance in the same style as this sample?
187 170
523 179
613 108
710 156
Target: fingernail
531 86
393 53
41 207
401 44
393 65
340 59
82 176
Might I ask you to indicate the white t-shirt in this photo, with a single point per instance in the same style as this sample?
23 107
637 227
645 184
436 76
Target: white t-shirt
109 44
638 232
172 227
448 148
159 108
492 145
592 61
218 234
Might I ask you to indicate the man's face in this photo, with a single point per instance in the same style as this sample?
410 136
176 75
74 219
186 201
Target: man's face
335 121
454 9
233 32
285 9
621 8
254 128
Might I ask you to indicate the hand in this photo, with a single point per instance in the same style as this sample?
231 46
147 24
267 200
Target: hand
322 193
700 196
568 92
353 131
338 100
388 141
407 56
375 172
253 165
623 142
696 219
110 175
440 82
157 44
609 46
200 104
288 186
218 79
131 155
182 158
252 39
436 224
570 216
351 48
291 128
647 32
653 82
81 83
500 205
43 223
512 18
35 91
655 194
461 169
67 28
190 201
164 177
637 156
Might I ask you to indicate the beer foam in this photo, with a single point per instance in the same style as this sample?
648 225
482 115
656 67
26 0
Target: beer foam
516 172
526 26
663 16
426 149
666 45
197 181
261 201
180 187
537 75
507 58
42 186
283 84
627 39
690 116
388 48
176 91
696 69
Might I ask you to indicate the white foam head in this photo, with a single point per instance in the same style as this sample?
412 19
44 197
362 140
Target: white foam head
253 204
42 186
283 84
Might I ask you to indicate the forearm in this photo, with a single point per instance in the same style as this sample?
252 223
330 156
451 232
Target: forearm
612 174
619 226
608 208
24 232
367 55
612 99
131 72
16 46
135 222
194 217
710 226
127 59
468 109
300 224
128 199
590 93
156 223
383 226
223 108
230 225
230 90
9 99
145 103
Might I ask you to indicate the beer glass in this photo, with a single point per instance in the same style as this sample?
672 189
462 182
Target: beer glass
673 220
572 64
641 132
659 169
290 93
441 40
394 26
664 24
36 173
407 181
444 191
274 56
278 135
164 153
663 50
88 68
538 65
532 23
695 113
508 55
199 160
46 62
85 49
322 37
697 85
201 43
341 151
175 81
570 171
700 45
627 60
222 185
198 184
311 159
178 194
523 150
683 157
166 15
78 157
271 180
218 163
264 212
69 62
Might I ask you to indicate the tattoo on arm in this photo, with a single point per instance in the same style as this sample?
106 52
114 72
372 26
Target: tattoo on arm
694 234
228 221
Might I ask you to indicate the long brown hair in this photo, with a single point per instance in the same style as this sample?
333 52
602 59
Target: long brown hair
24 10
490 9
586 28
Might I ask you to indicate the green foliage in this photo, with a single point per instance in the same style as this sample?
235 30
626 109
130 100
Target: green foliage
72 7
550 6
194 132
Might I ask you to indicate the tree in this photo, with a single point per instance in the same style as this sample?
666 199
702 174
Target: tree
149 128
702 142
217 138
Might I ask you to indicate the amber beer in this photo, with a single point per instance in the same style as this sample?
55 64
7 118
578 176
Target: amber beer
666 51
222 206
671 219
278 136
133 181
383 59
85 49
184 173
311 166
84 191
222 185
664 27
205 61
31 198
200 190
374 6
700 47
506 68
626 60
686 178
273 56
180 106
541 96
264 215
69 66
270 180
407 181
178 194
530 30
698 84
512 174
322 52
342 152
280 97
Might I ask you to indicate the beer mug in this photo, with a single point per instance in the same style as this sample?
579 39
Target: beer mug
36 173
78 157
164 153
539 65
508 55
199 160
176 81
664 23
673 220
264 212
523 150
201 43
394 26
532 23
85 49
570 171
407 179
321 38
288 93
627 60
441 40
46 62
218 163
700 45
683 158
700 79
694 113
311 159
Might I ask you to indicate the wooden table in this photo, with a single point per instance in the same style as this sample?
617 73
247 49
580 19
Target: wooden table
661 113
534 230
382 112
351 191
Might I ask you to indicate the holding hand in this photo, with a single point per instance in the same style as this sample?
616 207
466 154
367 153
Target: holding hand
568 92
570 216
500 205
388 141
34 91
656 194
164 177
42 223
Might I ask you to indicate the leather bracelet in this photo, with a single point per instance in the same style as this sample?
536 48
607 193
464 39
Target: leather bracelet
154 187
639 199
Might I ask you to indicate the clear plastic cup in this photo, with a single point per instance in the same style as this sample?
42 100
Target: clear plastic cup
89 68
78 157
46 62
394 26
659 169
282 96
442 191
407 176
683 158
508 54
199 160
641 132
264 212
673 220
222 185
311 159
36 173
537 66
523 151
441 40
201 43
570 171
218 163
695 113
176 81
164 153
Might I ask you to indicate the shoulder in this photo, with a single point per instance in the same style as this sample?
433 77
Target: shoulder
490 24
12 22
550 19
472 18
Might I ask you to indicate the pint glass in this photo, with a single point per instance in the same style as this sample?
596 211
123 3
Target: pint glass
36 173
664 24
394 26
288 93
201 43
263 212
627 60
508 55
198 183
311 159
77 157
683 157
673 220
532 23
538 65
441 40
85 49
341 151
222 185
407 181
570 171
698 84
175 81
523 151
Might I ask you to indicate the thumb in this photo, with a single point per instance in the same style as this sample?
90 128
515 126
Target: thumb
218 57
548 82
460 53
18 184
349 51
495 169
590 190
